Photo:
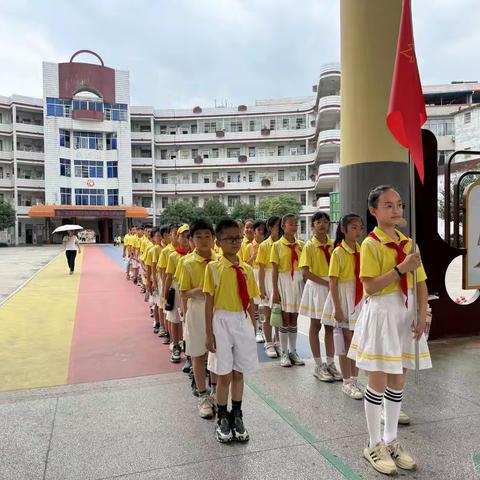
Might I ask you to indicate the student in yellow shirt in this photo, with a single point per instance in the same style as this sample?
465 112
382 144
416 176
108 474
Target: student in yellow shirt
191 286
157 281
145 244
126 249
150 263
314 262
383 342
288 287
248 234
135 248
229 289
171 292
161 267
345 300
265 282
259 231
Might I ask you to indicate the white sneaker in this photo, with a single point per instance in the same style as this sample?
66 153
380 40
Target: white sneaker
322 373
296 359
351 390
403 418
270 350
285 360
380 459
205 406
337 376
259 338
401 458
360 386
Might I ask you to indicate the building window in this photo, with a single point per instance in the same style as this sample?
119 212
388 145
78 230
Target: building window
280 150
303 198
272 124
215 176
233 200
164 202
251 151
65 196
441 127
112 169
111 141
251 125
252 200
303 226
210 127
236 126
302 175
88 140
233 152
64 138
56 107
467 118
146 202
194 177
443 156
193 128
92 105
116 111
214 152
233 177
300 123
65 167
88 168
286 123
281 175
112 196
164 178
251 176
89 196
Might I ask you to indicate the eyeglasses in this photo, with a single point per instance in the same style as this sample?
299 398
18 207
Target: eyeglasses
231 240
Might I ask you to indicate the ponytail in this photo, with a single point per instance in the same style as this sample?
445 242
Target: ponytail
342 226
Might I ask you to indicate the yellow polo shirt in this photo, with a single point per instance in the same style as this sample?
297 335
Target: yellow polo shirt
243 248
376 259
174 264
249 252
314 258
152 255
146 244
282 255
164 254
342 263
193 271
263 255
126 239
221 283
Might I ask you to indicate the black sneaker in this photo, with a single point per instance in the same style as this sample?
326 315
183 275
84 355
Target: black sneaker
223 431
188 366
165 339
238 429
176 354
156 328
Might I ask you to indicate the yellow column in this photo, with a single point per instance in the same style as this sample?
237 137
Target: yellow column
369 155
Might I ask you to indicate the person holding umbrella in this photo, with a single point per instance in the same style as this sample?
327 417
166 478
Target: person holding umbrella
72 245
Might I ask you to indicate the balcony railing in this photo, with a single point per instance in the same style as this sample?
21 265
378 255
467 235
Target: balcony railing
142 161
323 202
328 175
6 128
6 155
29 155
6 183
136 136
328 137
31 183
329 69
29 128
267 161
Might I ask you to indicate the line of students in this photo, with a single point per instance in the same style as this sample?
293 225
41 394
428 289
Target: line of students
213 296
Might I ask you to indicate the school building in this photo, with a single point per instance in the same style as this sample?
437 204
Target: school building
83 154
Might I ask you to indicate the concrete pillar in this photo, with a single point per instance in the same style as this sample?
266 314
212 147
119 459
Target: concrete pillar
369 155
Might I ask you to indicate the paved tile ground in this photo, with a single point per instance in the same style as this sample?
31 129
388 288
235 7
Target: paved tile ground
146 426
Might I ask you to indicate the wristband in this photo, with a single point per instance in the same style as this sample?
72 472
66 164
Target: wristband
398 271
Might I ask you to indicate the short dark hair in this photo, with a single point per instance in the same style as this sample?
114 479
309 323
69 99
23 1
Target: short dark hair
319 215
164 229
155 230
223 225
260 223
375 193
272 221
174 227
201 224
287 216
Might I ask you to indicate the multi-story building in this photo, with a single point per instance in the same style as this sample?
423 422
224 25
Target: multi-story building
83 154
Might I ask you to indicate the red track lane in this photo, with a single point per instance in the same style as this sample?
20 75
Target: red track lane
112 337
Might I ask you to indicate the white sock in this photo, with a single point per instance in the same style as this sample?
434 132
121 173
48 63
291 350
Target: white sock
318 361
284 339
373 410
329 360
292 338
393 404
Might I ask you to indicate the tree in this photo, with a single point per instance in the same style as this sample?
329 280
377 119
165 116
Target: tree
180 212
467 180
7 215
243 211
278 205
214 210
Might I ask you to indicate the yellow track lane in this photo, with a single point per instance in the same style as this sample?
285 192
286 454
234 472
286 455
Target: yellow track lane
36 328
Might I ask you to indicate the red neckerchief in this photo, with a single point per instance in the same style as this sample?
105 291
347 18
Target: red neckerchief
326 250
242 287
358 283
181 252
293 258
400 258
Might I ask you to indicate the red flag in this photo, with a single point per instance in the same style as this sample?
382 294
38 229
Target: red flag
406 110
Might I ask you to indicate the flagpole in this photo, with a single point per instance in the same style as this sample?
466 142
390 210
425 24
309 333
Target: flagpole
413 234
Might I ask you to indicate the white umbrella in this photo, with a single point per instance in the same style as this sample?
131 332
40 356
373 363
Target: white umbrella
66 228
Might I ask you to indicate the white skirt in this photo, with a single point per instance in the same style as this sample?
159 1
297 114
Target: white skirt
290 290
346 292
268 287
173 316
194 333
313 299
382 340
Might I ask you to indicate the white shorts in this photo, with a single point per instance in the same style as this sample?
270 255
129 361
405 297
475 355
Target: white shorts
290 290
236 348
382 340
346 293
313 299
133 263
158 297
173 316
194 333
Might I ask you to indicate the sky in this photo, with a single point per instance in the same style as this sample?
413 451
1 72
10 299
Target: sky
182 53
